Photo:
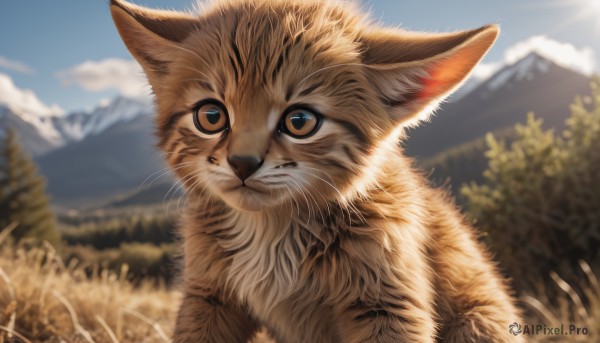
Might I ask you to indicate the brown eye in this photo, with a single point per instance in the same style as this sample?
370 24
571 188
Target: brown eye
210 118
300 123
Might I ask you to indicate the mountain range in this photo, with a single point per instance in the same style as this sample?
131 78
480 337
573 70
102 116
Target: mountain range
41 133
533 84
94 156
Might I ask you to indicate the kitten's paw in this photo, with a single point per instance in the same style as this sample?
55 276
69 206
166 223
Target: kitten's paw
475 326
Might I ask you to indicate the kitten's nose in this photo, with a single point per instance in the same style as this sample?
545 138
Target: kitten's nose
244 166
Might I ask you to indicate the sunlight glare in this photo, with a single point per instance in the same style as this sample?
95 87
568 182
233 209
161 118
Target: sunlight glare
594 8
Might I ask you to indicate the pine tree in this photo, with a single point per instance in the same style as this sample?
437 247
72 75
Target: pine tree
22 195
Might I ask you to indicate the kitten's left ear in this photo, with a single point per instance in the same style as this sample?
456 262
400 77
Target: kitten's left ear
414 72
152 36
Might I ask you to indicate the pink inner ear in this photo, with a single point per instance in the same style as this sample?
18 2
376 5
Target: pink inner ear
446 73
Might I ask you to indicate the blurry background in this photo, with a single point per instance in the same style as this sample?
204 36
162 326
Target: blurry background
78 168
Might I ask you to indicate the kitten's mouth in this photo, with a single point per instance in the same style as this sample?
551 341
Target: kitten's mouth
243 187
249 197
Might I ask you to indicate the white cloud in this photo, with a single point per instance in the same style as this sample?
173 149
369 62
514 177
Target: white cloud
24 101
104 102
563 54
566 55
15 65
484 70
125 76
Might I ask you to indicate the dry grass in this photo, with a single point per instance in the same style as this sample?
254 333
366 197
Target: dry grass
41 299
578 303
44 300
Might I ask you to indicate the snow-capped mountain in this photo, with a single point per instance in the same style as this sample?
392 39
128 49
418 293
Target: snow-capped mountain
32 136
22 108
79 125
40 134
34 123
527 68
532 84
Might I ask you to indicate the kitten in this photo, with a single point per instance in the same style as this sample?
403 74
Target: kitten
282 119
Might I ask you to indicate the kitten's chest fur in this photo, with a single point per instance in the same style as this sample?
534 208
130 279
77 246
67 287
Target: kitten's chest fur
266 251
271 267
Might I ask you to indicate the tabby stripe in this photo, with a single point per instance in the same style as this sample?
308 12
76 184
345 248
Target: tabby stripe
311 89
213 300
180 157
372 314
159 67
235 71
188 136
288 93
172 146
350 154
168 126
335 163
185 152
189 150
406 98
277 68
238 57
214 222
206 85
165 129
308 46
243 247
298 38
383 313
352 129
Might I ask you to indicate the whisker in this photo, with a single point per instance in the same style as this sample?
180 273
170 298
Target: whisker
191 191
345 205
166 171
198 71
293 198
324 200
177 46
309 204
182 180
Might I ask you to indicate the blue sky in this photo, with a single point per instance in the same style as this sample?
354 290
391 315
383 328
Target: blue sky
40 39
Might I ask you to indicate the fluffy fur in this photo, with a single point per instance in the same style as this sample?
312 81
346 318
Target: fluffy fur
335 238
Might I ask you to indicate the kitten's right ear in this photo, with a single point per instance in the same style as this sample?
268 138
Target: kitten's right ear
152 36
413 72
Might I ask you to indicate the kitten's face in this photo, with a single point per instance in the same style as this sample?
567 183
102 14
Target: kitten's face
271 102
268 113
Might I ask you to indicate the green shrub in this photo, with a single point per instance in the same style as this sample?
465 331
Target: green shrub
539 206
111 233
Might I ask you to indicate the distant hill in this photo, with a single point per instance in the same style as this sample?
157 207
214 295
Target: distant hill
102 166
460 164
159 192
532 84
